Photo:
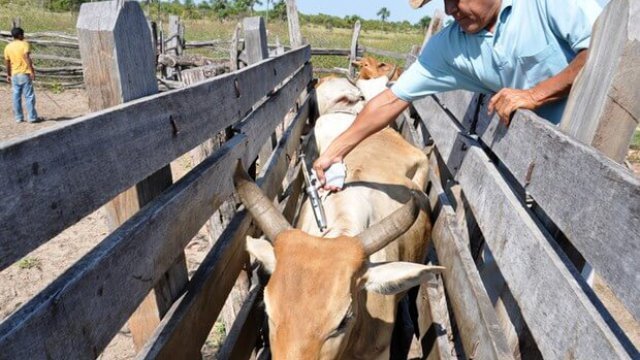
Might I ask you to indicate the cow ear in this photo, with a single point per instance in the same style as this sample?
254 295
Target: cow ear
382 64
263 251
395 277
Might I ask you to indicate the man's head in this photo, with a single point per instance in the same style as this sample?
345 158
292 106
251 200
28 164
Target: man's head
473 15
17 33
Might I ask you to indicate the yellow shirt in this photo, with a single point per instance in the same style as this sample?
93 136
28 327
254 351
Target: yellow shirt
16 52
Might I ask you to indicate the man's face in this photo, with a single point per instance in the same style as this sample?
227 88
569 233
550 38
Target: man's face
473 15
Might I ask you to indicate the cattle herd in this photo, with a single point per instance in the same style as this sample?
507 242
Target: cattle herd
334 294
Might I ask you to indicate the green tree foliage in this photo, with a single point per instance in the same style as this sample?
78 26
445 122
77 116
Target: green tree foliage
424 22
384 14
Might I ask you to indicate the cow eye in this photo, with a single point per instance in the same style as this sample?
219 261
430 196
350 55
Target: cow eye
343 324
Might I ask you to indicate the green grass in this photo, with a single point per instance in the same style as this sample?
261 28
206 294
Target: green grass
635 143
30 263
34 19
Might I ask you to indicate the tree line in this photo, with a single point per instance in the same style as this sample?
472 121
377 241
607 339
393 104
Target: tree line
235 9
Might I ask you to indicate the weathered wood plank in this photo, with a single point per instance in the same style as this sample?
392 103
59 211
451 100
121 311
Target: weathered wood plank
192 317
242 336
255 39
603 108
542 285
295 35
61 174
134 77
107 284
478 325
353 54
555 170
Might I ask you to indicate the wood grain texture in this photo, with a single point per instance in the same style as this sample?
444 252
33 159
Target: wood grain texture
255 39
482 336
556 170
132 77
107 284
295 35
63 173
562 319
192 318
603 109
564 171
353 54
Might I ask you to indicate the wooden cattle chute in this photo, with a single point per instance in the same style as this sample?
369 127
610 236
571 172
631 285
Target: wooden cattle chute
527 195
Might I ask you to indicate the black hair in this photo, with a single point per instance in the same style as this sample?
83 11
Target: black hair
17 32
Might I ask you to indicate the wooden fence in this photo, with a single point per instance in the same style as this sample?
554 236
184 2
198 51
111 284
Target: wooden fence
508 205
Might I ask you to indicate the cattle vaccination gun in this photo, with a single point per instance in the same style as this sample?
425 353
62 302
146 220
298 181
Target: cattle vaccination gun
311 188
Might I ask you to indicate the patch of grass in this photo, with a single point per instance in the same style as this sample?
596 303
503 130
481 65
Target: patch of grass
30 263
635 143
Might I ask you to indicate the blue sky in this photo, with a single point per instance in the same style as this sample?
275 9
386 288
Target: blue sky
367 9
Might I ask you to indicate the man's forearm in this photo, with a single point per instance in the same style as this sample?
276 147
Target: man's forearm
559 86
377 114
7 64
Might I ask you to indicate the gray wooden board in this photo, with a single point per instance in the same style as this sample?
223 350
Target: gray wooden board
557 170
255 39
295 35
562 319
241 338
482 336
61 174
603 108
353 54
207 291
107 284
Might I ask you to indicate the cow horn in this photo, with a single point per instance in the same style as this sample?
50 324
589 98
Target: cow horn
393 70
269 219
379 235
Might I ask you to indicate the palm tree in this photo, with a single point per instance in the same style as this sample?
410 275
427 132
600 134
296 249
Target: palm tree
384 14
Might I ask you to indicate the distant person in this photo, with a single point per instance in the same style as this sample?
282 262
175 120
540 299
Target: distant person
20 74
527 53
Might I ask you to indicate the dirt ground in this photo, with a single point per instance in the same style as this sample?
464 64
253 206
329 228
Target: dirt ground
23 280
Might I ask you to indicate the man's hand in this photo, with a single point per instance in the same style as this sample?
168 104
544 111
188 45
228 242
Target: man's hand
9 79
320 165
33 76
506 101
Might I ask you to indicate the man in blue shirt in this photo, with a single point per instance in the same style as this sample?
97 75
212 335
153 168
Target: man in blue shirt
525 52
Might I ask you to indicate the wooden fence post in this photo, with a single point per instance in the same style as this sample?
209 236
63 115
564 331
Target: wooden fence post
434 26
255 39
233 50
108 34
353 56
295 35
15 22
174 44
603 108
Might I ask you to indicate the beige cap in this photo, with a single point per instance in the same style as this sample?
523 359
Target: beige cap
417 3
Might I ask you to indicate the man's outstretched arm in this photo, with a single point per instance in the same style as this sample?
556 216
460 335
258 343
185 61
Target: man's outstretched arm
378 113
506 101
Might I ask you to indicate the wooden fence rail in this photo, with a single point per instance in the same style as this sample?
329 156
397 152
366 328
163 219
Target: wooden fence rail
108 284
180 118
539 278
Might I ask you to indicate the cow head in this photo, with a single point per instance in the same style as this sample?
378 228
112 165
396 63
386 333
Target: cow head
371 68
338 94
317 284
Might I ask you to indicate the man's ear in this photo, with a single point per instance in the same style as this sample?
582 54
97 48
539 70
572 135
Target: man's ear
263 251
395 277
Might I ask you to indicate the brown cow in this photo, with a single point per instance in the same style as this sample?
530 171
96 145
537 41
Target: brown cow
334 295
371 68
